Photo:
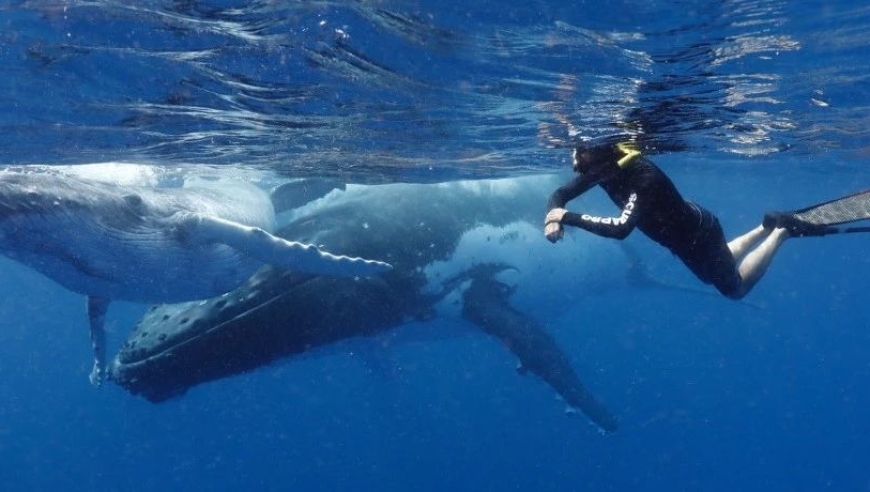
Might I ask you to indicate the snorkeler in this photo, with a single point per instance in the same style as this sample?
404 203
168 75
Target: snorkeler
651 202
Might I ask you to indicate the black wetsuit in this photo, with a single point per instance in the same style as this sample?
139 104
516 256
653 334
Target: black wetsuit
651 202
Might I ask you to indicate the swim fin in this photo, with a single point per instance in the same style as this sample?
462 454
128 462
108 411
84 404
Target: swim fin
796 227
824 218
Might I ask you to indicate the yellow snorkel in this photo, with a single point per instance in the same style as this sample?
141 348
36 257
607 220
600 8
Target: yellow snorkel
630 153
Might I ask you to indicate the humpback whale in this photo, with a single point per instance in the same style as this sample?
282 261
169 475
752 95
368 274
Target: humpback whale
453 246
124 242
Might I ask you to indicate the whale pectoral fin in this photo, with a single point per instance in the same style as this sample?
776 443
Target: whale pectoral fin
97 308
486 305
274 250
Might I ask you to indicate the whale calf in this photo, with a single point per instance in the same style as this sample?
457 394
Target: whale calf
453 247
113 241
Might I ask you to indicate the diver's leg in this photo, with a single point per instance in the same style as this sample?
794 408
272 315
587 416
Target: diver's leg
741 245
756 262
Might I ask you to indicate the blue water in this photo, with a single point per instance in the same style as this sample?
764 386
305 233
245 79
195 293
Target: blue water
749 105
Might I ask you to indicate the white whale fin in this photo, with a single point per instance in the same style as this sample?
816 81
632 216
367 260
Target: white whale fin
272 249
97 308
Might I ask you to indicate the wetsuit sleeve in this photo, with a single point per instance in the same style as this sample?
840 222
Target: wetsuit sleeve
614 227
574 188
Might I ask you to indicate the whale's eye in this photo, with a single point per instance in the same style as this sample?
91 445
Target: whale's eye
133 200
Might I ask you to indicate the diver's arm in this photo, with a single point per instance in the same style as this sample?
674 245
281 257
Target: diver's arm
571 190
614 227
555 207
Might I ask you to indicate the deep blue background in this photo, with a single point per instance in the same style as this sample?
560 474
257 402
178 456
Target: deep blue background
766 394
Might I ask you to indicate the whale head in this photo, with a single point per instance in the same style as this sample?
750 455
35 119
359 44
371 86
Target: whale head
118 241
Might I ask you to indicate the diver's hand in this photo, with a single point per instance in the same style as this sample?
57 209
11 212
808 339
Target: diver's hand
553 224
553 231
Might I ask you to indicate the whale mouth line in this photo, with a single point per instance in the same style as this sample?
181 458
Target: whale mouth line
167 348
128 365
182 336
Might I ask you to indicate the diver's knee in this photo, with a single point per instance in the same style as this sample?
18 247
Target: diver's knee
737 295
735 292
